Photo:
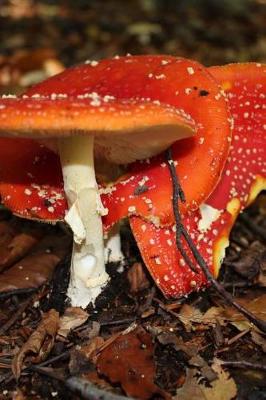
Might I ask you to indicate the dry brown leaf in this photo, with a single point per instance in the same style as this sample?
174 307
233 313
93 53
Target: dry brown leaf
191 389
91 349
206 371
259 339
90 331
257 306
189 314
18 247
251 261
82 357
213 315
40 342
129 361
222 388
36 268
8 230
72 318
166 338
137 278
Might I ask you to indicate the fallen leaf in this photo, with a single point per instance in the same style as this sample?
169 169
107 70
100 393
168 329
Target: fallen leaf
72 318
251 261
78 363
257 306
137 278
222 388
129 361
259 339
189 314
8 230
39 343
37 267
206 371
91 349
212 315
18 247
90 332
189 348
191 389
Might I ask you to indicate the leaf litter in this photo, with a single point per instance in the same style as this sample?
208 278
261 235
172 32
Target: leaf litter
39 343
174 348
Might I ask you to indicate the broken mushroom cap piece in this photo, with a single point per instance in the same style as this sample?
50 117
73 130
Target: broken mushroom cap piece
244 176
198 160
31 181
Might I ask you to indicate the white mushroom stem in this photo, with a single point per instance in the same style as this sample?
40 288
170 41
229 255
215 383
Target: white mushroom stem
88 275
112 247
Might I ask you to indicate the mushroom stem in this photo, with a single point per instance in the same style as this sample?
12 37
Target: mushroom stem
88 274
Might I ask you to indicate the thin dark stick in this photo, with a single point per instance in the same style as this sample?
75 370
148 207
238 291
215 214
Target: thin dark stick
16 316
178 194
91 392
181 230
65 355
243 365
86 389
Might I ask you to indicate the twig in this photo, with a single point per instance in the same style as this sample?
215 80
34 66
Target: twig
89 391
178 195
86 389
164 307
16 316
243 365
64 355
237 337
181 230
118 322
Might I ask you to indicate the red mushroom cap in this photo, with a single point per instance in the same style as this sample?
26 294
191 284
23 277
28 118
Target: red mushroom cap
34 189
147 90
243 177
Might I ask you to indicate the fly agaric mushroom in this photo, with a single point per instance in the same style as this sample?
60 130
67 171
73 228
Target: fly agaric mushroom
119 104
244 176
